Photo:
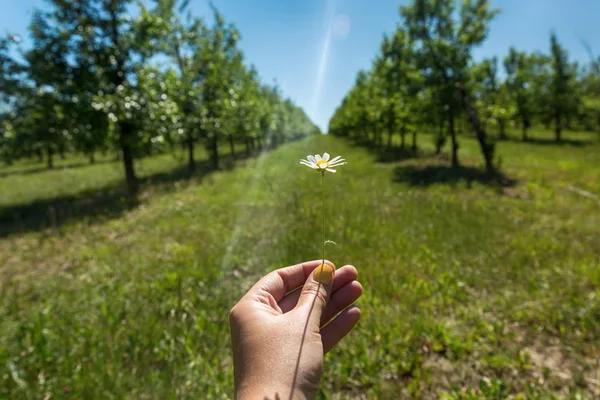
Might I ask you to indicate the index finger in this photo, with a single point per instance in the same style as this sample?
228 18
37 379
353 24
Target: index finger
283 280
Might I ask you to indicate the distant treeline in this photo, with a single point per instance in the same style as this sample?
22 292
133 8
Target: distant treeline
99 78
424 78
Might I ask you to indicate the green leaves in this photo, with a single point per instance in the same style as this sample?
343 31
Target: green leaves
421 77
136 79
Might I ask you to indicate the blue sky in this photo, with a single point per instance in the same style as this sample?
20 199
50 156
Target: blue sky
314 48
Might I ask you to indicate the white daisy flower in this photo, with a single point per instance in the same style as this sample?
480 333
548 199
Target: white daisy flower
323 163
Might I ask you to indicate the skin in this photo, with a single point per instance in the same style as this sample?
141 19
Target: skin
284 325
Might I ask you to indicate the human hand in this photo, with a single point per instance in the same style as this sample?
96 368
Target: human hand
279 335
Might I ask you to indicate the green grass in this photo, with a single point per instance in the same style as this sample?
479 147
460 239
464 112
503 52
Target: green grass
472 289
34 197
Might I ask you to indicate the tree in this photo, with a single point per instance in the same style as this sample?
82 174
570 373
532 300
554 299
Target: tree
562 94
589 87
184 38
492 100
395 65
361 100
519 82
444 37
48 105
10 91
105 52
359 116
218 57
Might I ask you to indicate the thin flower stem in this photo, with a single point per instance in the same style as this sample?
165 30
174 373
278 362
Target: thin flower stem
323 197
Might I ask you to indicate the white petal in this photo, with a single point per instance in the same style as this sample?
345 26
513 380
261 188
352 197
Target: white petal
310 166
326 156
335 159
312 159
318 157
330 170
337 164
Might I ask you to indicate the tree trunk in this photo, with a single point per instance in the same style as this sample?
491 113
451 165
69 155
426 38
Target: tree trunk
61 151
248 147
125 133
391 125
92 158
259 144
414 140
49 160
502 124
214 149
558 127
190 151
526 124
439 141
438 146
40 155
231 147
455 162
486 148
403 137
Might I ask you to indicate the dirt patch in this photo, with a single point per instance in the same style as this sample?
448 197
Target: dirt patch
553 364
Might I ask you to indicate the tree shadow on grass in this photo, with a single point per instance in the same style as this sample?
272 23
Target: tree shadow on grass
386 154
103 203
39 169
423 176
395 154
98 204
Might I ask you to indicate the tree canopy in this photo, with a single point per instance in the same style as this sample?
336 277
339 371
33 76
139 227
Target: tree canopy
425 79
101 77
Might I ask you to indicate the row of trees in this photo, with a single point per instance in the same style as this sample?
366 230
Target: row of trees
424 78
98 79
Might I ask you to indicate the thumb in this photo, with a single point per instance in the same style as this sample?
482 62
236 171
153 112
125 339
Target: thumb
315 293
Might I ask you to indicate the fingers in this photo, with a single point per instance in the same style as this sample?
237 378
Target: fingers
339 327
341 299
314 296
343 276
281 281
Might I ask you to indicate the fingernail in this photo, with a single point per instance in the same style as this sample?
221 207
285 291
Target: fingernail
324 274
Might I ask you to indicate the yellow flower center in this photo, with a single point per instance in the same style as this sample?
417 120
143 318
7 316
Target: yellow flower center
322 164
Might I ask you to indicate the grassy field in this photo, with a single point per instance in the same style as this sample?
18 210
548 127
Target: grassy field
473 289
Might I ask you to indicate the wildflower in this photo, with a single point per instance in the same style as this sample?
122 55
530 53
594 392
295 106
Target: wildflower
323 163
